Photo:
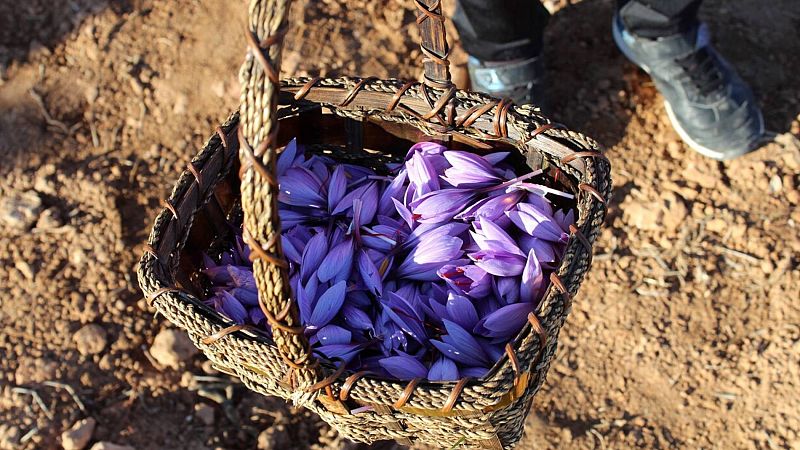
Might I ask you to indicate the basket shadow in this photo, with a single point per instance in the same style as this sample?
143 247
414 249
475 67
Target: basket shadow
588 90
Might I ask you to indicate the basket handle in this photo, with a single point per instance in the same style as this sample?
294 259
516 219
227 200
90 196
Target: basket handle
259 76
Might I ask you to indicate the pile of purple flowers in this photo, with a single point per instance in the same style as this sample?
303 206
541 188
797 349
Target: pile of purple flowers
426 273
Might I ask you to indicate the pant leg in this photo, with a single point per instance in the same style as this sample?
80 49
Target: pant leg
658 18
501 30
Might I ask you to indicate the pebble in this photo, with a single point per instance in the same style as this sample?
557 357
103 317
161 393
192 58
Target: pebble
20 211
793 197
24 268
205 413
172 347
49 219
274 437
91 339
775 184
105 445
79 435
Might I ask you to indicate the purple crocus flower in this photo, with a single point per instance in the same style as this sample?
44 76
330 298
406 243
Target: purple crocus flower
426 273
469 170
470 279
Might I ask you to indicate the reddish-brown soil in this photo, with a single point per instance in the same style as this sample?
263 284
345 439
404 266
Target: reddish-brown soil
685 335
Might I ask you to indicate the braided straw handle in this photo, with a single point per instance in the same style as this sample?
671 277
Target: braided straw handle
259 76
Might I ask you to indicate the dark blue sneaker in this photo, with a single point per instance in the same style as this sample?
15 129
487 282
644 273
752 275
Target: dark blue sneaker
710 106
521 80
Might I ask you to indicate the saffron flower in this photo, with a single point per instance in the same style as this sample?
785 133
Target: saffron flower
424 271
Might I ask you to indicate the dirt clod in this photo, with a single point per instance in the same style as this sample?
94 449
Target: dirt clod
91 339
172 348
274 438
79 435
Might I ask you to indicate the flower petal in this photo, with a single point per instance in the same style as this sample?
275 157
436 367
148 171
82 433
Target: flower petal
469 169
338 264
232 308
356 319
443 369
462 311
301 187
500 264
461 339
532 279
328 305
336 187
369 273
333 335
404 367
506 321
313 255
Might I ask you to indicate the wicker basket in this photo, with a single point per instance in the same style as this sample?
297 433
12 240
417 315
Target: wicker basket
370 120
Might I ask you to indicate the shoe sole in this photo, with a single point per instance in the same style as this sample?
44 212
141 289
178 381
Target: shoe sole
694 145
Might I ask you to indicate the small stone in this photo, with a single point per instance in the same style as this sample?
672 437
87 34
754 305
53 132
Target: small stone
793 197
181 102
91 339
24 268
205 413
49 219
717 225
105 445
20 211
566 436
172 347
77 437
91 93
775 184
274 437
675 149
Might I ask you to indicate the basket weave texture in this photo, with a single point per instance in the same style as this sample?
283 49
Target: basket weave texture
377 118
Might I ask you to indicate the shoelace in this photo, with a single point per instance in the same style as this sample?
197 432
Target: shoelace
702 71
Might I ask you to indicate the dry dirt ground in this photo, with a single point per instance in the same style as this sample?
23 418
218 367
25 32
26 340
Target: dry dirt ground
685 335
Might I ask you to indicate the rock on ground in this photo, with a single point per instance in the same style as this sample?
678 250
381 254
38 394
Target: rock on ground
79 435
19 211
91 339
172 347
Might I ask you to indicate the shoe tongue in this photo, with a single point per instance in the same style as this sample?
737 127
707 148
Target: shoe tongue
685 43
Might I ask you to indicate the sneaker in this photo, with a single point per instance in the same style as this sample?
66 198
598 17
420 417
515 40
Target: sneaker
710 106
521 80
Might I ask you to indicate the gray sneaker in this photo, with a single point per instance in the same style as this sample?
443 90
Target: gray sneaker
709 105
521 80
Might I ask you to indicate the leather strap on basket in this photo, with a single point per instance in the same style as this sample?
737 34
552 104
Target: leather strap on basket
260 81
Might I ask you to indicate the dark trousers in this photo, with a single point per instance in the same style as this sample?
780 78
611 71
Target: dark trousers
501 30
